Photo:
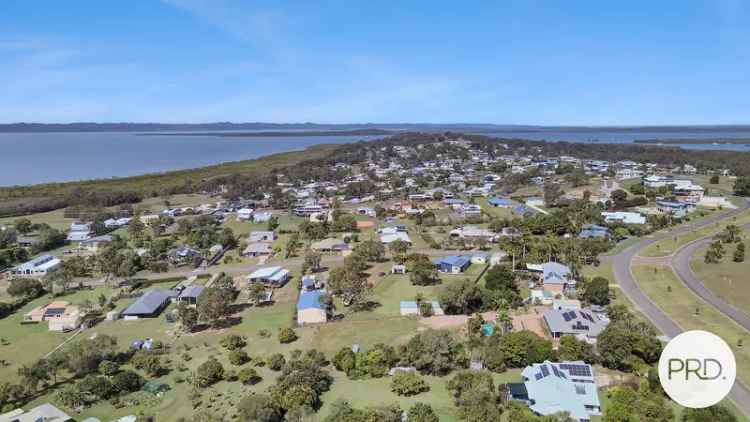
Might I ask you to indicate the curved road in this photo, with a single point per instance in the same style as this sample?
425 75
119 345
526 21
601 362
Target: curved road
740 394
681 266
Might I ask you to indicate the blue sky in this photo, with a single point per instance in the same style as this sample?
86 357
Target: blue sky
515 62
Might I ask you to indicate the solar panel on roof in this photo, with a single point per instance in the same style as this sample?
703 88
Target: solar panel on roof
538 377
50 312
558 374
545 370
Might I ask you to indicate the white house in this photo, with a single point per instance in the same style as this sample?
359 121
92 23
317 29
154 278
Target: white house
37 267
624 217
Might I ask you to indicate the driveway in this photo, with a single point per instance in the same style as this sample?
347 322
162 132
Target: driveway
621 262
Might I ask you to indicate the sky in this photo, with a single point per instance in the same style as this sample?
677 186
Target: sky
634 62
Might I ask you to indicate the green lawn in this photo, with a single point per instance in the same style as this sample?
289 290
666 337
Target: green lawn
727 279
681 305
669 245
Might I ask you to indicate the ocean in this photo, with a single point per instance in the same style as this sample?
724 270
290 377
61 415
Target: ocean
31 158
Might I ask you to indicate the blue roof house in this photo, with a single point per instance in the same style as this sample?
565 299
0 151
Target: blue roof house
500 202
311 308
452 264
593 231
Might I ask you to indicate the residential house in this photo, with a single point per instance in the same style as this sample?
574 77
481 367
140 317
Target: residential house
262 236
330 245
42 413
309 283
471 210
398 269
473 233
535 201
553 276
311 308
262 216
37 267
183 255
593 231
624 217
257 249
150 304
79 232
452 264
245 214
500 202
189 295
275 276
676 208
390 238
566 304
582 323
61 316
93 244
550 388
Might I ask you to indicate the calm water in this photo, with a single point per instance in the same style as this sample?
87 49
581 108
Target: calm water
629 137
29 158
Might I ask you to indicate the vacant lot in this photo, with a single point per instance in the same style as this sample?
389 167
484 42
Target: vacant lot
728 279
662 286
669 245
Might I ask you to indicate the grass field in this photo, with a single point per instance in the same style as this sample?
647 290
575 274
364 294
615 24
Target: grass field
669 245
681 305
727 279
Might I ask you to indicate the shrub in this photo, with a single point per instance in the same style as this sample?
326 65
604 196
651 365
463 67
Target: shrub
238 357
233 342
287 335
249 376
276 361
108 368
127 381
209 372
259 407
408 384
421 412
149 363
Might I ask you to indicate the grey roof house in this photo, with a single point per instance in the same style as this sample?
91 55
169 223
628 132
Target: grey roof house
150 304
550 388
582 323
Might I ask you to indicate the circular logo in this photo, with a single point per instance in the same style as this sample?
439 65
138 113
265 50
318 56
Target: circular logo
697 369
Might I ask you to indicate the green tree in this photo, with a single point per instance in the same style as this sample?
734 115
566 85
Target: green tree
292 244
421 412
209 373
214 305
287 335
716 413
500 277
424 274
249 376
739 253
597 291
408 384
573 349
260 408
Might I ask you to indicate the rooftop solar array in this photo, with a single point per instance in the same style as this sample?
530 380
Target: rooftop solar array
577 370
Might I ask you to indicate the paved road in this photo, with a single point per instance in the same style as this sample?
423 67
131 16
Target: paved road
621 268
681 265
